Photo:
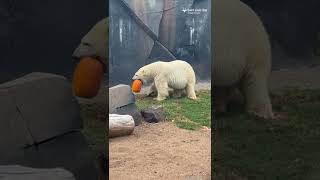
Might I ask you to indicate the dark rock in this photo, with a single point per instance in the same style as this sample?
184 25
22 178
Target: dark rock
131 110
154 114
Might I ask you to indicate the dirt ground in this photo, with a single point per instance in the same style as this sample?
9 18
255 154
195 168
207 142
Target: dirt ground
161 151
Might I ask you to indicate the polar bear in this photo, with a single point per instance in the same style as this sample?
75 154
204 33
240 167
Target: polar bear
241 57
171 76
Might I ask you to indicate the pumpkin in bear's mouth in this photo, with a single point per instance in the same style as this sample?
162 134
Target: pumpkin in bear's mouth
136 85
87 77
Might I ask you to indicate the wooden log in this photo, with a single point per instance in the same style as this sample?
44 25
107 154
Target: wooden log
120 125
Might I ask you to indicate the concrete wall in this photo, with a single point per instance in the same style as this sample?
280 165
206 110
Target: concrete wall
42 35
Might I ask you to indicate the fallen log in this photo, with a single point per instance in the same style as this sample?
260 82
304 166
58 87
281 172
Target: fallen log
120 125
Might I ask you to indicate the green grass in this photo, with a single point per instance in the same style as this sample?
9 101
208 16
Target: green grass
287 148
94 126
186 113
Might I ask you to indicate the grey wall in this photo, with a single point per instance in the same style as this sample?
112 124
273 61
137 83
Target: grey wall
292 24
40 35
131 48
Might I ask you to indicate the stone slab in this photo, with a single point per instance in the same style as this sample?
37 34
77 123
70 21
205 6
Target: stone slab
16 172
69 151
120 95
45 103
13 131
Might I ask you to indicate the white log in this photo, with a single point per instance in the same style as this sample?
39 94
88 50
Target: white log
120 125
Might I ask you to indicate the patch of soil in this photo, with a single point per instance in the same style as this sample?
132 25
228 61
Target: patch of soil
161 151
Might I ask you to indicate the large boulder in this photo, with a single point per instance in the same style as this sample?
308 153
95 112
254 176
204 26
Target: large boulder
41 106
40 126
122 101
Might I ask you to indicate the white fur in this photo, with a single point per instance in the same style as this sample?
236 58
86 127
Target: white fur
169 76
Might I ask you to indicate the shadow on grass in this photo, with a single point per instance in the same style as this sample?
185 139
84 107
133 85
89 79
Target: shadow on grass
285 148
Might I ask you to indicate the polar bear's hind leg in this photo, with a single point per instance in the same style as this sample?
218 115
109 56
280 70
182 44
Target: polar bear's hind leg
257 98
191 91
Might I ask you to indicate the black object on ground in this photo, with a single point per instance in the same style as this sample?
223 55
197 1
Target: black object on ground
153 114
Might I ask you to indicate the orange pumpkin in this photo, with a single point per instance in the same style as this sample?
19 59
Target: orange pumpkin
136 85
87 77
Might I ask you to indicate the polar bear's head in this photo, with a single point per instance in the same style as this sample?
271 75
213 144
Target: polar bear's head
144 75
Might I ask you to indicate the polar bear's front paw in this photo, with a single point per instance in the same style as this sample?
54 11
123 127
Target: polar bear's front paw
193 97
262 116
159 98
263 111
